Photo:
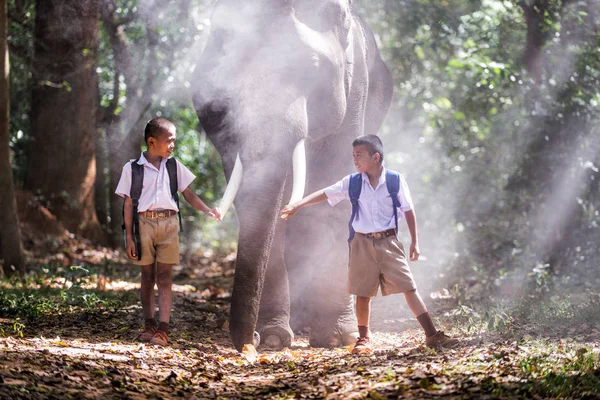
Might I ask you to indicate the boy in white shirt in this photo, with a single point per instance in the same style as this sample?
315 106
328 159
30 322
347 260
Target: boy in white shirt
158 225
377 257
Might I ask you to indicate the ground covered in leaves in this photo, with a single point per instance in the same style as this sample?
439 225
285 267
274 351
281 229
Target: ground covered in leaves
68 331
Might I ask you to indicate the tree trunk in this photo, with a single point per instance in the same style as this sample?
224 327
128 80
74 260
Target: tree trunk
10 232
101 184
533 56
62 163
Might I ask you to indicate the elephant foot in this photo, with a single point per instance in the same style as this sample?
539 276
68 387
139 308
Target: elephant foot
276 337
336 334
255 342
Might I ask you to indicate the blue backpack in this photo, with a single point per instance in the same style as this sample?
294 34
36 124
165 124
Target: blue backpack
392 181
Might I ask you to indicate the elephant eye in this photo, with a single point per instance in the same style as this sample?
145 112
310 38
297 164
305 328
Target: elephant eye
212 115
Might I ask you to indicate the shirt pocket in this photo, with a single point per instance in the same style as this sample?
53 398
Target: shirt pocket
386 206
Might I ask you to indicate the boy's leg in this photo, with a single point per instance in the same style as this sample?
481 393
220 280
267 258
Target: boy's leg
433 337
147 300
416 305
147 290
167 255
397 278
165 295
363 313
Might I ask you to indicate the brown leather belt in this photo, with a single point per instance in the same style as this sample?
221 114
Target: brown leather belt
379 235
157 214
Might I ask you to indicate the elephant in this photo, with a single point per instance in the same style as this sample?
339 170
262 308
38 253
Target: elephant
281 89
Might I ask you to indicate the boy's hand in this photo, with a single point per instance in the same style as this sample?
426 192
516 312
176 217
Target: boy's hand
131 251
414 251
288 211
215 213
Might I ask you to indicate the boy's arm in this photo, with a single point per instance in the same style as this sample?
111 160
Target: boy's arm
411 221
198 204
314 198
128 221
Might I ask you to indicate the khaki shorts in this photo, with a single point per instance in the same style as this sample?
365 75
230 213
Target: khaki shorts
378 262
160 240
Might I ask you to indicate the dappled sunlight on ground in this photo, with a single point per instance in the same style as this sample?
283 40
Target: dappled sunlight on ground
77 338
399 365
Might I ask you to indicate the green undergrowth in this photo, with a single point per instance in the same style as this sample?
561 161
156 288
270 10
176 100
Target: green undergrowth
541 315
559 373
55 291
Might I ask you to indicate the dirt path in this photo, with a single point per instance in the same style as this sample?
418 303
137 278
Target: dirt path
95 355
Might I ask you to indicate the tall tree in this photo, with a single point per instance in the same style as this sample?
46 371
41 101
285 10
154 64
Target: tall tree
62 164
10 232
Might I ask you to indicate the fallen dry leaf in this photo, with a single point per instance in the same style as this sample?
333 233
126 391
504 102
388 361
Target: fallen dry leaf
250 353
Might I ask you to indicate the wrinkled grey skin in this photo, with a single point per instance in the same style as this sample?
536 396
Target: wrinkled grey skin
273 72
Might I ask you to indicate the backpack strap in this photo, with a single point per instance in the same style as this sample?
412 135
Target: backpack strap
137 182
172 170
392 181
354 189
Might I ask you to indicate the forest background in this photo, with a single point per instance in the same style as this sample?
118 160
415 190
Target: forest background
495 123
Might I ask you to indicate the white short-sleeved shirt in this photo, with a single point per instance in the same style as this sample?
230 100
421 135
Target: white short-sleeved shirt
375 207
156 190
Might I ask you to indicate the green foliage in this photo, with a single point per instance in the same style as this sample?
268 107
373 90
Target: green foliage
577 375
54 290
503 168
485 318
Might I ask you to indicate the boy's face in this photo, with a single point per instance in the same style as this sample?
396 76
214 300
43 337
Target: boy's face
363 161
163 144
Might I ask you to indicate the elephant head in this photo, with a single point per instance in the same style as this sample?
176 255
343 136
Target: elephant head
274 74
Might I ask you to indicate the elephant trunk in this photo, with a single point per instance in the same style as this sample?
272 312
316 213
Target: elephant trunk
257 206
260 198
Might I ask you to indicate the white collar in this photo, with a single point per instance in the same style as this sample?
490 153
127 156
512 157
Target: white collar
143 160
381 181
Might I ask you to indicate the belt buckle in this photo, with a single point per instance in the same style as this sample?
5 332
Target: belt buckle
157 214
378 235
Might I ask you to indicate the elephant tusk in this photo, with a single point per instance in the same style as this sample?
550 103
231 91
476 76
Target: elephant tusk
232 187
299 168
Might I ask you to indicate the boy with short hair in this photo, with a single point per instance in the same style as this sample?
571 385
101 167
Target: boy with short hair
158 225
377 257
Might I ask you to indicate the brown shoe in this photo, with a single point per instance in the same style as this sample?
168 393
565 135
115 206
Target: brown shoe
148 333
440 339
160 338
363 346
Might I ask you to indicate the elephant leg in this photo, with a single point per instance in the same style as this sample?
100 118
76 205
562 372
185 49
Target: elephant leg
333 322
273 323
331 318
300 274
